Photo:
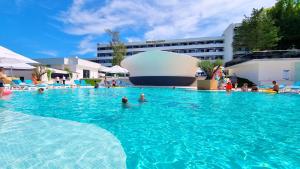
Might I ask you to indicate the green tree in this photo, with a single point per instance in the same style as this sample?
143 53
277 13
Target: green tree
38 72
67 69
286 16
49 73
119 49
257 32
209 67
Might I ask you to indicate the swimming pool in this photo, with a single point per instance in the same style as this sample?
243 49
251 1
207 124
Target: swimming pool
176 128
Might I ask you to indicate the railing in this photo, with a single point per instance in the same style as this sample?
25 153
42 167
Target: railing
295 53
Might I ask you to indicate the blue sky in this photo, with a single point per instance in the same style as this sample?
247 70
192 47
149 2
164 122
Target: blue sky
62 28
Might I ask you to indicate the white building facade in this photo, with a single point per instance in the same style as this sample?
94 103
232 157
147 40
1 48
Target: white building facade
81 68
205 48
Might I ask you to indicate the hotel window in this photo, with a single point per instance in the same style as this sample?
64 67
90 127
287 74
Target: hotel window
159 45
86 73
150 46
167 44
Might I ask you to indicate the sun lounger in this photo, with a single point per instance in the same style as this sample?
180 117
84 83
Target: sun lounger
295 86
29 83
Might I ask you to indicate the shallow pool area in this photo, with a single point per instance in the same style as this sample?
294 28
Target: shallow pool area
175 128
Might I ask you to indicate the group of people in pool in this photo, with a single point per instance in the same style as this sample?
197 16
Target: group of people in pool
125 102
254 88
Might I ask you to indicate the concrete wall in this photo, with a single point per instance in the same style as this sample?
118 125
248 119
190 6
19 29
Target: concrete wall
264 71
297 71
27 74
248 71
281 71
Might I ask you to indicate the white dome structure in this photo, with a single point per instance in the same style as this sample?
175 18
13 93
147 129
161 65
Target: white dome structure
161 68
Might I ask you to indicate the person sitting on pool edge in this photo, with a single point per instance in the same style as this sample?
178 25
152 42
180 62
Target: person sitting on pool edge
275 86
142 98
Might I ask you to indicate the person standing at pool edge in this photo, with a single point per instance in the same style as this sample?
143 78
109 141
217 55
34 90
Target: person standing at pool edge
57 79
64 80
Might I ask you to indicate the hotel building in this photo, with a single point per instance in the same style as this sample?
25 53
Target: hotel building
204 48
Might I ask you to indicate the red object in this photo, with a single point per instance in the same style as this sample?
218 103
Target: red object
228 86
6 92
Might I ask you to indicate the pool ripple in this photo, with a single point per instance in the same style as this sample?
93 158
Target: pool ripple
28 141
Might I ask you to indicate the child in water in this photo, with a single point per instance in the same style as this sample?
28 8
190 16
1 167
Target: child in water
125 102
41 90
228 87
142 98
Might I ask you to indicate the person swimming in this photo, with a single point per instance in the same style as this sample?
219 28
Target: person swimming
125 102
245 87
254 88
142 98
41 90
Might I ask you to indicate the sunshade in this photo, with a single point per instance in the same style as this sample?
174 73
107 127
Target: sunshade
16 66
9 57
115 69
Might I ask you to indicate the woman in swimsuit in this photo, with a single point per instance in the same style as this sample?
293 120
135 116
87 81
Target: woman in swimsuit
3 79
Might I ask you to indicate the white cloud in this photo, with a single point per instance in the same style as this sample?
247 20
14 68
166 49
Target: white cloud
157 19
87 45
48 52
133 39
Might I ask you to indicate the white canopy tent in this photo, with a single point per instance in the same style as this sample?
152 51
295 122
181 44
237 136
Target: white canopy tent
12 60
22 66
9 57
115 69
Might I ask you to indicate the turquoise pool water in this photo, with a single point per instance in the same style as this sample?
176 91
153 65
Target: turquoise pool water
178 128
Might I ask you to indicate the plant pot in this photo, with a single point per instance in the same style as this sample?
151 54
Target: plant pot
207 84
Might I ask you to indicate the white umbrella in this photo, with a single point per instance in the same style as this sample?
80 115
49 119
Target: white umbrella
16 66
115 69
9 57
10 66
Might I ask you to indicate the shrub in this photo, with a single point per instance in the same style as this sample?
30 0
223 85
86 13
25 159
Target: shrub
92 81
208 67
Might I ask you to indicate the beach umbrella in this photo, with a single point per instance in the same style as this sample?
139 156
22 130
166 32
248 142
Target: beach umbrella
9 57
115 69
22 66
17 66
